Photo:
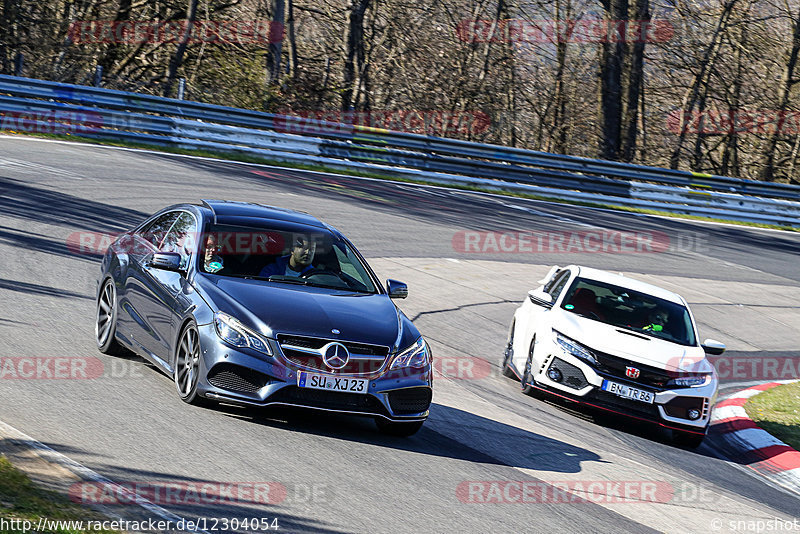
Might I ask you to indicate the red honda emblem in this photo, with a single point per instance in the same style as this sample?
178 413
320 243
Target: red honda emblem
631 372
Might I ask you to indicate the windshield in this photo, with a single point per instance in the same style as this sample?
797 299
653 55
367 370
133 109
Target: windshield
625 308
294 255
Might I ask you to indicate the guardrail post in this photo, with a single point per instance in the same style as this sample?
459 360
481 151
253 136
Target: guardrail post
181 88
98 75
19 63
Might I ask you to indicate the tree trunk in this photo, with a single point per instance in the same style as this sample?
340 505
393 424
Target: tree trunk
354 54
788 81
8 23
275 49
292 41
635 82
114 48
700 79
611 63
177 60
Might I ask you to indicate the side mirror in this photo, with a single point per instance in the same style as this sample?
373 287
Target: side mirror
166 261
396 290
540 298
713 347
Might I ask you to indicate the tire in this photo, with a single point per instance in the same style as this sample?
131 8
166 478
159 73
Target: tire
509 353
186 371
689 440
393 428
105 324
527 376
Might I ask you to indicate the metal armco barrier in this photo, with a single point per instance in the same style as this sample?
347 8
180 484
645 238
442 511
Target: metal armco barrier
36 105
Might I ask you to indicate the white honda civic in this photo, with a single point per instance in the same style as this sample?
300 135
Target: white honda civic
611 342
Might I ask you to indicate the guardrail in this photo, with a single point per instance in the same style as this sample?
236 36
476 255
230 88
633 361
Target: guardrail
117 115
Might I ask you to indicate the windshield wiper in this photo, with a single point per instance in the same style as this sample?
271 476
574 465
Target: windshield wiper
287 279
246 276
341 288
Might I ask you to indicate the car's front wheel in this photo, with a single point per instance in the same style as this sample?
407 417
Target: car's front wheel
394 428
105 327
187 365
527 376
508 354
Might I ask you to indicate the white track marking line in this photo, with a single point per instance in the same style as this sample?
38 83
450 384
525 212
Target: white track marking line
87 474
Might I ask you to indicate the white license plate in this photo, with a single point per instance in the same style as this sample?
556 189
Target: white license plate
332 383
628 392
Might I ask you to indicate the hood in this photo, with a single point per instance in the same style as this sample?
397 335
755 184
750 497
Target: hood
307 311
638 348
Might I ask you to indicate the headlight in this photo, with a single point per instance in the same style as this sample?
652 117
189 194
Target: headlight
234 333
689 381
417 355
574 348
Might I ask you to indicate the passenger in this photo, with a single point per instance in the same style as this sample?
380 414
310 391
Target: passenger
212 262
296 263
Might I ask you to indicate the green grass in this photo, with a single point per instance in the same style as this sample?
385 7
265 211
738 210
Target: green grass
21 499
348 172
777 411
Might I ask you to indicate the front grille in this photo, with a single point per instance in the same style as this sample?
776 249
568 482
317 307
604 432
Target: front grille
332 400
614 366
621 404
573 376
236 378
410 400
356 365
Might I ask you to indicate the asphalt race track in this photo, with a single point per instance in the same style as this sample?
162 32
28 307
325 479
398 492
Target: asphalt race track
337 474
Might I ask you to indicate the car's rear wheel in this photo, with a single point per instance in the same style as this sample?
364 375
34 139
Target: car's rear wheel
509 353
105 327
690 440
187 365
394 428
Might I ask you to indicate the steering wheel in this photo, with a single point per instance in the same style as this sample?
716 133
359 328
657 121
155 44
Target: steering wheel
315 271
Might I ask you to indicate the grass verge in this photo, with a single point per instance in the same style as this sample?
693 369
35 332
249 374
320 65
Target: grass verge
21 500
347 172
777 411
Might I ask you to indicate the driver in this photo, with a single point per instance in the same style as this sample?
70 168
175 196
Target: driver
658 320
297 262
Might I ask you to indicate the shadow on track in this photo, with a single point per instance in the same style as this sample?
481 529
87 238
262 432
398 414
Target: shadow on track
445 434
21 200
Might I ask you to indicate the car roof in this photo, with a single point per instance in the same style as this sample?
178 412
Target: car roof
235 212
628 283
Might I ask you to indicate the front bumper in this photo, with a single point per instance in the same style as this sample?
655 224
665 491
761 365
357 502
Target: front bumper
581 382
247 377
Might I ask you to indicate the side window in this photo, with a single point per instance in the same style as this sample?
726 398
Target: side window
558 285
181 238
155 231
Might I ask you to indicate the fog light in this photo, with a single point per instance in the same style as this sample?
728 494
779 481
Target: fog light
693 414
555 375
